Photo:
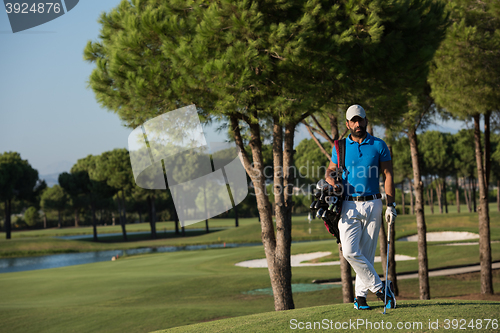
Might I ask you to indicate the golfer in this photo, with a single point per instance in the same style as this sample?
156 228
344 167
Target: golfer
365 158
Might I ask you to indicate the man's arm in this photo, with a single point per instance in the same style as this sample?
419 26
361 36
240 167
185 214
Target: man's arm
389 181
330 172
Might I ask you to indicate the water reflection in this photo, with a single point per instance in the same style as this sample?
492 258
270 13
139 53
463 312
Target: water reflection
9 265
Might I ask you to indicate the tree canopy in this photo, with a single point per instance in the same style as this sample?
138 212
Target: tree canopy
263 66
466 77
18 180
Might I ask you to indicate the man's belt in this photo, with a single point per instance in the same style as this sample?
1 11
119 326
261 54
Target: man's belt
365 198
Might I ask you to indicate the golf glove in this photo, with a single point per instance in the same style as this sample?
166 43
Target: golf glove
390 214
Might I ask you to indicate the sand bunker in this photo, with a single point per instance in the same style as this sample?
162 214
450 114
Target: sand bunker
297 260
442 236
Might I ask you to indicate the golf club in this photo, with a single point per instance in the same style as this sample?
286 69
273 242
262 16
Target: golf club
387 266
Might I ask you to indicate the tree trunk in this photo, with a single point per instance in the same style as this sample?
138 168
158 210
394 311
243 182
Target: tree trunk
432 200
44 220
498 195
334 126
206 210
474 195
457 194
283 185
236 224
423 274
276 246
484 216
467 194
59 224
428 197
152 215
346 277
487 150
8 223
123 217
183 229
403 204
77 217
444 196
439 194
94 221
153 218
369 129
412 207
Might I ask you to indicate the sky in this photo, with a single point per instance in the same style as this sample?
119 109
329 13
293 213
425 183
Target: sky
47 112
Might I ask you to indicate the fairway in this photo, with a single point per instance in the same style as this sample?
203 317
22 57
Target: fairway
42 242
159 291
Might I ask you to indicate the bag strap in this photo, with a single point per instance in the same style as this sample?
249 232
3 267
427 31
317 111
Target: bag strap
342 154
340 149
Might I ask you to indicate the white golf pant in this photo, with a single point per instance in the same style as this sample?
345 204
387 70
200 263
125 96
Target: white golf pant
359 228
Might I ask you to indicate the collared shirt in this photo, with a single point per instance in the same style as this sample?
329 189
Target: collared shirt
362 161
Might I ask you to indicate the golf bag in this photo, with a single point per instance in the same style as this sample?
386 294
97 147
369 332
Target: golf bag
328 203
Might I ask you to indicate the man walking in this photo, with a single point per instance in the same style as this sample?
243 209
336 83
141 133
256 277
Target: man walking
365 158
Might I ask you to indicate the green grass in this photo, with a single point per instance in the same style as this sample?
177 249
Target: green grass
42 242
133 227
158 291
414 316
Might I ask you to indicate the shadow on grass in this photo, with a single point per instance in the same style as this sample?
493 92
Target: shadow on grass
434 303
147 236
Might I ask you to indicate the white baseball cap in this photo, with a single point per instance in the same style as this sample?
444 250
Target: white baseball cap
355 110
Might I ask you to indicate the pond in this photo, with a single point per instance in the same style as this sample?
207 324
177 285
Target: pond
9 265
296 288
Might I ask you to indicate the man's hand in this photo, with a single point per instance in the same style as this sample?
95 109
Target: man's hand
390 214
337 188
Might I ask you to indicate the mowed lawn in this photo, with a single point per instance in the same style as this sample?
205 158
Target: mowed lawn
412 316
159 291
43 242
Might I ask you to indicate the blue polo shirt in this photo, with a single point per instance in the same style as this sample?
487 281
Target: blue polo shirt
362 162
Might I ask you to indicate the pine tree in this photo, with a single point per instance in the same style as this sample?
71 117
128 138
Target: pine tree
466 81
263 67
18 180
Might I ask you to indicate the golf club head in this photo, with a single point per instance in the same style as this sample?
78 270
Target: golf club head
313 205
320 212
321 184
333 208
326 214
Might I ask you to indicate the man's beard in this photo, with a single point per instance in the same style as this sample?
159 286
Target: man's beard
358 134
